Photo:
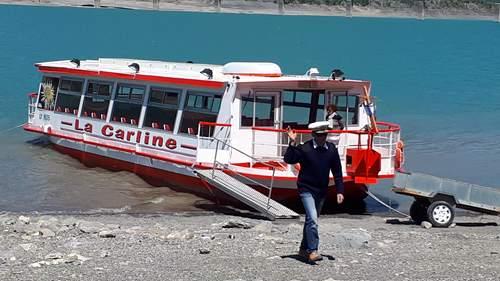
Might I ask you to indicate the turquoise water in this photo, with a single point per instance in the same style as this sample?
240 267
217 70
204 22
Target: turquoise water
439 79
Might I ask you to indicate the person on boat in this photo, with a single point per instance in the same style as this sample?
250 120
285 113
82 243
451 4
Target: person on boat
334 119
334 123
317 158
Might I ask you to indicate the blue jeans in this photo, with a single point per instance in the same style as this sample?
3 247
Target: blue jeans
313 203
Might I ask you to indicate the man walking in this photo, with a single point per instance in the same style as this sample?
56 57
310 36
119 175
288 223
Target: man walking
317 158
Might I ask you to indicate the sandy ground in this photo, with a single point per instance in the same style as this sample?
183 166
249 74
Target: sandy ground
219 247
270 7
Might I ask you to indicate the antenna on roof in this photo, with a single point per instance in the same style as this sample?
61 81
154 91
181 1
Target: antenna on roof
135 66
76 61
208 72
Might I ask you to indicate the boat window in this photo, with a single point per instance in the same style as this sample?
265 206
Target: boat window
128 104
162 109
96 101
264 111
347 107
199 107
302 107
48 92
68 96
71 86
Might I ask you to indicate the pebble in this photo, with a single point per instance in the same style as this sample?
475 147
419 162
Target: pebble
90 227
236 224
182 235
274 258
35 265
107 234
426 225
24 219
47 232
53 256
27 246
78 257
204 251
104 254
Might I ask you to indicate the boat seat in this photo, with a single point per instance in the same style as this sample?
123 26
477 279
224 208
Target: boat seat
191 131
93 115
133 122
75 111
123 120
166 127
86 114
66 110
155 125
58 109
103 116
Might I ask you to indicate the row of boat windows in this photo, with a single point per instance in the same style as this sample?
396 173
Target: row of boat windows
161 110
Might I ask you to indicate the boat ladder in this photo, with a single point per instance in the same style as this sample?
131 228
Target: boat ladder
246 194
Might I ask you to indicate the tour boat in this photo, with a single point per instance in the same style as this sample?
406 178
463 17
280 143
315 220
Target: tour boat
166 120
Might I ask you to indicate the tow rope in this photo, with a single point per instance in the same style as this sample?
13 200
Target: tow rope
384 204
10 129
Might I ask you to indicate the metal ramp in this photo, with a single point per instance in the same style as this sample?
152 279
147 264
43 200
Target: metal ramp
244 193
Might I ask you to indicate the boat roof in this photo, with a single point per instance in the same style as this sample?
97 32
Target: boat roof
194 74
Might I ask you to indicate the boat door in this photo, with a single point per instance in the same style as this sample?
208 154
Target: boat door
300 108
260 112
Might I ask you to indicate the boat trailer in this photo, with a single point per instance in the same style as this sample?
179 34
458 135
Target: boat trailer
436 198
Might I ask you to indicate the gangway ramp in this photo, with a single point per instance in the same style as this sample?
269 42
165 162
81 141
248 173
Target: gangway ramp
246 194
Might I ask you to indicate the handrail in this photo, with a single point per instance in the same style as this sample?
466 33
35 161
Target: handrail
242 152
391 128
270 188
214 124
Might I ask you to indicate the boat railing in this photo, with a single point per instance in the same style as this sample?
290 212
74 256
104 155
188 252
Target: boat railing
32 103
271 143
220 146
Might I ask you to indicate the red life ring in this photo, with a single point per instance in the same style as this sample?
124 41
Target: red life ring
400 155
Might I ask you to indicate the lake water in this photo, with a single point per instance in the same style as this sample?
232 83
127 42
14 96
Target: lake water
439 79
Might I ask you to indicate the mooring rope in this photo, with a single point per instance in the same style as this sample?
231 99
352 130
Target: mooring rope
384 204
10 129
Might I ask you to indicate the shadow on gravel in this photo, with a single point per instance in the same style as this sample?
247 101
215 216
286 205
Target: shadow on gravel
476 224
398 221
464 224
304 260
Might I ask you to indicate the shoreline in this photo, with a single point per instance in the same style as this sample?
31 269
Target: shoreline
270 8
218 247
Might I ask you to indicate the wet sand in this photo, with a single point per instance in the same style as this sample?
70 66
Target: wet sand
217 247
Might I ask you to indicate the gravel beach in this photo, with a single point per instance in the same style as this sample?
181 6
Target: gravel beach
221 247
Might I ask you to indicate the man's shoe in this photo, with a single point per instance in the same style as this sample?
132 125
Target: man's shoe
303 253
314 257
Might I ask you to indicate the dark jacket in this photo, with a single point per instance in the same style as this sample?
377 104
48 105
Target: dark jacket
315 166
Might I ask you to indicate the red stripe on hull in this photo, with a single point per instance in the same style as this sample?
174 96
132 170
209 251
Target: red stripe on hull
194 185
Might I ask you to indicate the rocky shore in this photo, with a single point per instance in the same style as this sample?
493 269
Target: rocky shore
433 9
217 247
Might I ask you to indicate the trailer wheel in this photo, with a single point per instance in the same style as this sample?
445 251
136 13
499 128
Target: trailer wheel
418 211
441 213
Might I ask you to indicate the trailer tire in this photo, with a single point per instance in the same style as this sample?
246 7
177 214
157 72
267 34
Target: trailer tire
441 214
418 211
